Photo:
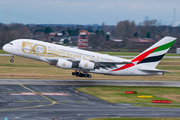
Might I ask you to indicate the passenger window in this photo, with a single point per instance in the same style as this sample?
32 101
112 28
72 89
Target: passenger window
11 43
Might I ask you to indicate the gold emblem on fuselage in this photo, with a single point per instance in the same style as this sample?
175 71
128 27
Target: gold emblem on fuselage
30 48
86 65
64 64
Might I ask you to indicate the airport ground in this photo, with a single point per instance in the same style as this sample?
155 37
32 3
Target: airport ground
135 118
57 99
116 94
32 99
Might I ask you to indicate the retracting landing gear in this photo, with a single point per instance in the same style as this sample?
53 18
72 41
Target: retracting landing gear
79 74
12 60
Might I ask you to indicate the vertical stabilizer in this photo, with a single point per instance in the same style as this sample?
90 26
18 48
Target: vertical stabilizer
153 55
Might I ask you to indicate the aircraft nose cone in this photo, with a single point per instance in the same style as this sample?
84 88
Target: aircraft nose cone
5 48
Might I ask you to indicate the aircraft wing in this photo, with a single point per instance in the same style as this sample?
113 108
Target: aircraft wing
153 70
108 64
98 64
54 61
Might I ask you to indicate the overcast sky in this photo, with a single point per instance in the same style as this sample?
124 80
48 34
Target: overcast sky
87 11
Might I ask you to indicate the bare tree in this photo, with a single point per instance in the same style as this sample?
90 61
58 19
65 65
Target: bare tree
125 29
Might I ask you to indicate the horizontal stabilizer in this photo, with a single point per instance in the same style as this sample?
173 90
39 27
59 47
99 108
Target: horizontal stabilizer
153 70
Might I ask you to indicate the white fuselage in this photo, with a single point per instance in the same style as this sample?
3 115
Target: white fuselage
42 51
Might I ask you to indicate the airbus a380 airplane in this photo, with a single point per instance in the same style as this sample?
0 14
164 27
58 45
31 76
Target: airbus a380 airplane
84 62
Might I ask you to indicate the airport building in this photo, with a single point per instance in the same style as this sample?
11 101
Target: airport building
83 39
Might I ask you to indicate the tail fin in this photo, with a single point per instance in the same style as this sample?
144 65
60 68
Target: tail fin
153 55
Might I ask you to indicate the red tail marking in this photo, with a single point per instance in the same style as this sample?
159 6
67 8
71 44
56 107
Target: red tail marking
143 55
136 59
124 67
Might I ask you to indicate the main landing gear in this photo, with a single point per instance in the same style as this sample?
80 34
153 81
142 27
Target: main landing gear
12 60
79 74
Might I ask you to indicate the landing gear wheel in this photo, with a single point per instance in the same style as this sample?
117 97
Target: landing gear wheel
73 73
89 76
85 75
12 60
81 75
77 74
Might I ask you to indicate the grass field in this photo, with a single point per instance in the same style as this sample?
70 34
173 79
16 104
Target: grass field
135 118
27 68
116 94
3 52
114 53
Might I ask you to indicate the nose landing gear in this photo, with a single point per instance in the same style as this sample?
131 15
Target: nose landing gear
12 60
79 74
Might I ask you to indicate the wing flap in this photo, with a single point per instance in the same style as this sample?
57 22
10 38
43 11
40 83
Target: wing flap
153 70
108 64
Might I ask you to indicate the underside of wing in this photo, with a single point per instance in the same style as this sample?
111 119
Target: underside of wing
52 60
109 64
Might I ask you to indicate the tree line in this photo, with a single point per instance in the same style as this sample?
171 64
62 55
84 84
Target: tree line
124 29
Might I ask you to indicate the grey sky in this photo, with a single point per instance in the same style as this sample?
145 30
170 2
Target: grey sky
87 11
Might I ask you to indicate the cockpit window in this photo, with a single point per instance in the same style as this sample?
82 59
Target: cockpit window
11 43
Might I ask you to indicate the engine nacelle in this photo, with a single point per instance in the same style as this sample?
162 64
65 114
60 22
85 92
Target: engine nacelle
84 64
64 64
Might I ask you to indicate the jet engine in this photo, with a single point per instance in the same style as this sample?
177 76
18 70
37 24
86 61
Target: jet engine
64 64
84 64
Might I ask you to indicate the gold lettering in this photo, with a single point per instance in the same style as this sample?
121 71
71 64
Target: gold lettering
24 44
67 53
49 50
84 58
64 52
97 59
86 65
34 51
64 64
70 54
